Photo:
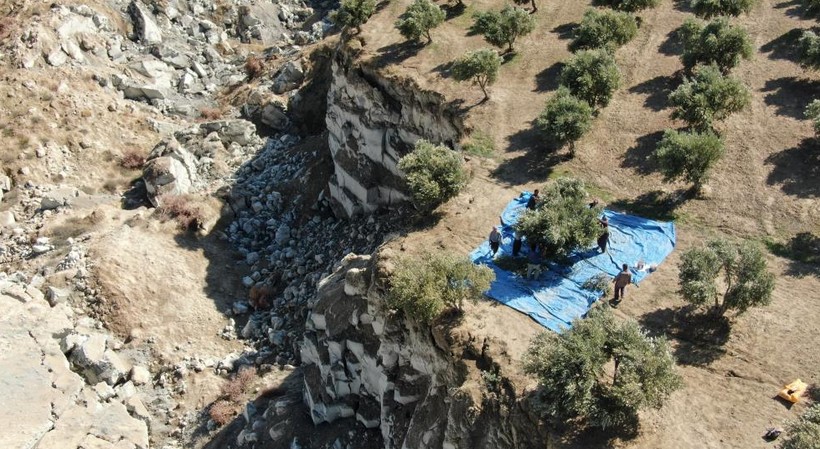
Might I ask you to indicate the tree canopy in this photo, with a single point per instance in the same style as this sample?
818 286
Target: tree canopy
712 8
353 13
605 29
717 42
421 17
707 97
480 66
565 119
592 76
688 155
435 174
809 44
630 5
503 28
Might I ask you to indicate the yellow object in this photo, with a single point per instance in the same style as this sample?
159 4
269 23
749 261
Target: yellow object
793 391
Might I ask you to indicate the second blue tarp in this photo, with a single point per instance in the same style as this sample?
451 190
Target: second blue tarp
555 297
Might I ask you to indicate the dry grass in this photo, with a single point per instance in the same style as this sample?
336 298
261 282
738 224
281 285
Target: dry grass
222 412
235 388
254 66
181 209
132 160
211 113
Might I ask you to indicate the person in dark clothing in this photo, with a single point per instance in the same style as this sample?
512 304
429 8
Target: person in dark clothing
495 240
533 201
516 249
623 279
603 240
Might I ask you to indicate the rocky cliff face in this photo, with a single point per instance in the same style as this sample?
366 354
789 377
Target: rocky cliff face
373 120
417 387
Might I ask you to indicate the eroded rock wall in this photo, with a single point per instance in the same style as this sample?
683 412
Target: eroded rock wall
373 120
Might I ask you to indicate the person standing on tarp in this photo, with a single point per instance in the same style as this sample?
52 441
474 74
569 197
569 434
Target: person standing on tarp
495 240
533 264
533 201
516 249
623 279
603 240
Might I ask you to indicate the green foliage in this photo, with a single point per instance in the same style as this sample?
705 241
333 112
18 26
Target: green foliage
421 17
434 174
804 433
565 118
745 278
711 8
809 44
480 66
592 76
573 381
424 287
707 97
605 29
717 42
813 114
630 5
480 144
504 27
812 6
563 220
601 282
353 13
688 155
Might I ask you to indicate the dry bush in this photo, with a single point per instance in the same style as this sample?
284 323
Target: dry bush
236 387
132 160
221 412
211 113
254 66
179 208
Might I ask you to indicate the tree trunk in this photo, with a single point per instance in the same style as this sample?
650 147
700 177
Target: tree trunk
615 374
534 8
484 89
429 37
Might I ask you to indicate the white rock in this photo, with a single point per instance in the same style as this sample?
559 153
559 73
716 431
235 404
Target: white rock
140 375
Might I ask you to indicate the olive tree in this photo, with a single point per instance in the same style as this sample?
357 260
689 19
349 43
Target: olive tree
427 285
562 220
746 280
708 96
435 174
353 13
688 156
809 46
480 66
592 76
630 5
717 42
421 17
575 379
712 8
605 29
503 28
803 433
565 119
813 114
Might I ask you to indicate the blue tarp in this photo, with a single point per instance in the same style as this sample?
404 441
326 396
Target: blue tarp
555 297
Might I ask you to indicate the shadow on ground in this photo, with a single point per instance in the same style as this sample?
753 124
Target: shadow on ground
803 251
655 204
453 11
784 46
535 164
566 31
656 90
797 170
672 45
790 95
794 8
396 53
639 156
549 78
701 336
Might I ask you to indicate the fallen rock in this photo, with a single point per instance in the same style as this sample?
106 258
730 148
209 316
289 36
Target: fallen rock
57 295
140 375
145 29
289 77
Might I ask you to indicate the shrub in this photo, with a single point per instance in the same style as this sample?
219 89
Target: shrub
222 412
565 119
717 42
254 67
179 208
424 287
804 433
480 67
747 282
132 160
434 174
601 282
574 381
711 8
813 114
353 13
503 28
605 29
592 76
630 5
707 97
809 44
563 220
238 385
421 17
688 156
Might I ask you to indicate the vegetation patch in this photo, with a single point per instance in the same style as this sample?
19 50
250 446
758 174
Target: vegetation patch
435 174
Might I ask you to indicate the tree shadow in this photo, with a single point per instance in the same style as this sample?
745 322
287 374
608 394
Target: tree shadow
397 53
566 31
639 156
453 11
794 8
803 250
444 69
797 169
655 204
701 336
784 46
790 95
672 45
549 79
657 91
684 6
536 164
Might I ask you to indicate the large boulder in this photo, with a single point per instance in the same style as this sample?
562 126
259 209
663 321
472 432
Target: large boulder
273 115
240 131
170 169
289 77
146 30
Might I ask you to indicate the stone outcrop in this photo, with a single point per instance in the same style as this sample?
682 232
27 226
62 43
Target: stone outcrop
373 121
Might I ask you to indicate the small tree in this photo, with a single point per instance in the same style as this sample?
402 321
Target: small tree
809 44
630 5
480 66
688 156
503 28
575 381
421 17
605 29
718 42
707 97
813 114
592 76
353 13
804 433
424 287
563 220
746 282
711 8
434 174
565 119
